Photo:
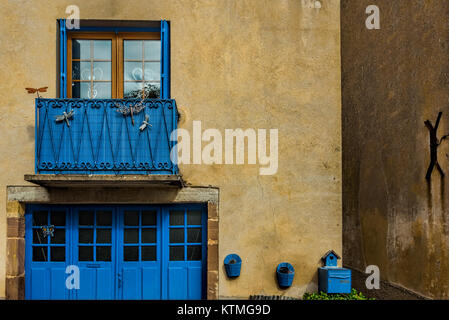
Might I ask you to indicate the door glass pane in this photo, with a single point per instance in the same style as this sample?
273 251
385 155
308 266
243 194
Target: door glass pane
80 49
38 236
152 50
131 253
152 90
57 218
103 253
193 253
176 253
176 218
58 236
132 49
177 235
131 235
39 253
86 235
40 218
57 253
85 253
103 236
102 49
86 218
131 218
104 218
149 235
194 218
149 253
149 218
194 235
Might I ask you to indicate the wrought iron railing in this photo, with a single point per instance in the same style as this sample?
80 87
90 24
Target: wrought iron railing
104 136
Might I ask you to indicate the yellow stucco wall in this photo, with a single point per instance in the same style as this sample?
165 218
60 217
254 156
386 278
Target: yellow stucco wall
234 64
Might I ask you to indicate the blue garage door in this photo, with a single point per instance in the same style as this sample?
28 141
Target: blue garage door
119 252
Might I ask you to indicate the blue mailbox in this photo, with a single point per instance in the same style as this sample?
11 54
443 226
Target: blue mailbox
331 278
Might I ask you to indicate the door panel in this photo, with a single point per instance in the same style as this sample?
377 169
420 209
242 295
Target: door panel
122 252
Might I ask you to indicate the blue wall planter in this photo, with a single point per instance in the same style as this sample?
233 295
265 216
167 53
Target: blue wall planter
233 264
285 274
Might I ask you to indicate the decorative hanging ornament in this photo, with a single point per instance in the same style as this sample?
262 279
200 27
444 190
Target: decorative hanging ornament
145 123
48 230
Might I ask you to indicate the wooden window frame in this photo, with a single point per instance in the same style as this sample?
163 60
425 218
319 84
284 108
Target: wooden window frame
117 62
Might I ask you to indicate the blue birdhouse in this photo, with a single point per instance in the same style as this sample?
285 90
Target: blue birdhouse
331 278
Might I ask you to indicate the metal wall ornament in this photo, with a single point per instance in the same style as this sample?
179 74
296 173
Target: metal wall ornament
434 144
65 117
48 230
131 110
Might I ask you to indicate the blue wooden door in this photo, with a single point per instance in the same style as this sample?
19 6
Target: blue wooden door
122 252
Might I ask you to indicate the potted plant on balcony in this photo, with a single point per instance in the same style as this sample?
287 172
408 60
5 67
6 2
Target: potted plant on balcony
285 274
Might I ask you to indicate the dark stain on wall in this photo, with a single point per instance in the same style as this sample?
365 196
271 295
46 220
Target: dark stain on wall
394 79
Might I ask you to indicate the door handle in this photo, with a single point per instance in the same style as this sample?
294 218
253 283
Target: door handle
119 278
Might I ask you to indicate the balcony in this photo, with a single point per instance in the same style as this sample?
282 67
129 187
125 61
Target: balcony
109 137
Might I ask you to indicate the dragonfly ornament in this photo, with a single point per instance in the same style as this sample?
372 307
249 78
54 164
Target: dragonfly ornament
36 90
145 123
65 117
131 110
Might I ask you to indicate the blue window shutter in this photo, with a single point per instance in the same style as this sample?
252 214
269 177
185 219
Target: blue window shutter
62 59
165 58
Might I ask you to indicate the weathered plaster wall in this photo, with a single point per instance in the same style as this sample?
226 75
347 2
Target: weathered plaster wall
249 64
393 79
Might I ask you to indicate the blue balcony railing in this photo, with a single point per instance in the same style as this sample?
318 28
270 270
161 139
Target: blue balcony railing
93 136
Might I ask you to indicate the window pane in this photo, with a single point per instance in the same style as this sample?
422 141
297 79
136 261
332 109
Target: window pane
80 49
102 49
152 90
194 235
149 218
131 235
132 90
194 253
81 70
152 49
149 253
103 254
104 218
86 218
38 237
132 49
177 235
58 236
86 235
102 90
176 253
101 71
103 236
40 218
57 218
152 71
176 218
86 253
194 217
133 71
131 218
148 235
131 253
57 254
39 253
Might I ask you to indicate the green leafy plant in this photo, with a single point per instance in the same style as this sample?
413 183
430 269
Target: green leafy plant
354 295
